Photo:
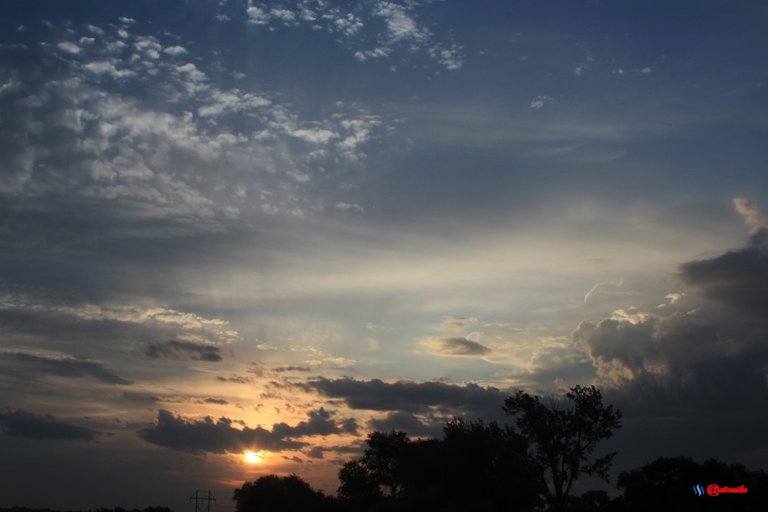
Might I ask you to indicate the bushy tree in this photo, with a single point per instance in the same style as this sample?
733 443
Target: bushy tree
274 493
563 437
471 468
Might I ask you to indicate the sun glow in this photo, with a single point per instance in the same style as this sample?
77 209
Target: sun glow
253 457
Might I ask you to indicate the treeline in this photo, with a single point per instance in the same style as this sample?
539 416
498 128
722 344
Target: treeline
116 509
486 467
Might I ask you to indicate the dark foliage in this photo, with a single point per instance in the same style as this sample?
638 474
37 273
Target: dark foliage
475 466
668 483
563 438
274 493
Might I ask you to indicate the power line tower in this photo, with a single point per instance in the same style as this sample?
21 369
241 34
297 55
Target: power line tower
207 498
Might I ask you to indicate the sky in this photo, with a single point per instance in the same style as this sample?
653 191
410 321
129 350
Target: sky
231 226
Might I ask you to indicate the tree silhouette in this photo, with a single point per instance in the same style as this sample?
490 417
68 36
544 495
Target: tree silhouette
274 493
564 437
358 485
471 468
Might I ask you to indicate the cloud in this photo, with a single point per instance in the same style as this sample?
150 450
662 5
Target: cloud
20 423
688 354
389 27
609 291
738 278
152 145
175 51
220 436
540 102
237 379
182 350
69 47
63 366
457 346
407 422
752 215
411 396
457 323
292 368
349 207
320 424
209 435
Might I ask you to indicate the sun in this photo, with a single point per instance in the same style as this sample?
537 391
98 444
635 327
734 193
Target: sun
253 457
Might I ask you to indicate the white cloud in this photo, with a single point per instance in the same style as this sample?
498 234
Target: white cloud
348 24
10 85
401 28
314 135
400 25
175 51
540 102
231 101
354 207
284 15
257 16
95 30
108 68
69 47
376 53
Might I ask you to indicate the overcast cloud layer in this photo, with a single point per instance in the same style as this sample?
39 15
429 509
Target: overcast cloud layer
277 226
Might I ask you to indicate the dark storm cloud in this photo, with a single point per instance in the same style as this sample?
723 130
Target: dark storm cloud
209 435
738 278
378 395
183 349
691 358
63 367
219 436
459 347
21 423
407 422
319 424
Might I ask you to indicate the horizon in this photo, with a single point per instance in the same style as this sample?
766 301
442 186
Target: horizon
238 236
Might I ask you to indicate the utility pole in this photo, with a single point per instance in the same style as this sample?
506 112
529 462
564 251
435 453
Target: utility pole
207 498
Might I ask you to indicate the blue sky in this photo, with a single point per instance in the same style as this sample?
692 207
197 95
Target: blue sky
306 220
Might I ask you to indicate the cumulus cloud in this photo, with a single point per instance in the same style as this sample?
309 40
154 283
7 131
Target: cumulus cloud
457 346
20 423
183 350
175 50
220 436
687 354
